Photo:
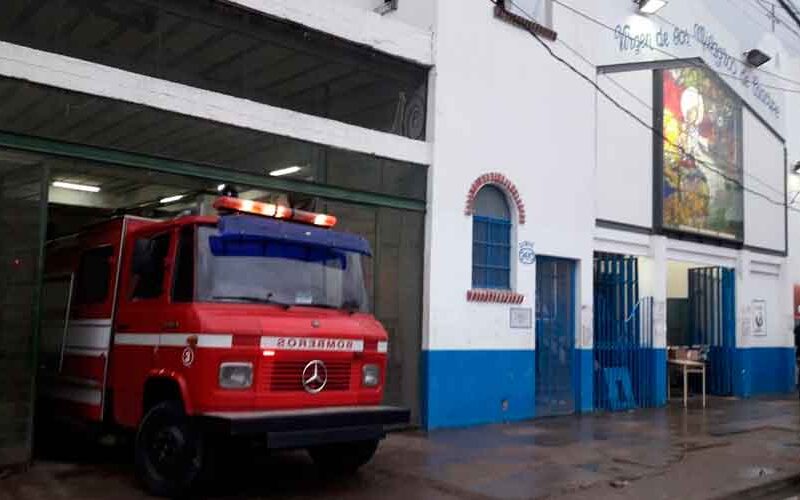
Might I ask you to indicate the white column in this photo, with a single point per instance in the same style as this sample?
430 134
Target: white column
743 306
660 268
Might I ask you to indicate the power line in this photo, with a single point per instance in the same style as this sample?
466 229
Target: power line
742 61
675 56
735 168
631 114
741 5
773 14
791 9
606 75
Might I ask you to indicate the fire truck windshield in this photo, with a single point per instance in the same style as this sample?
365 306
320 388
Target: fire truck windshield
278 272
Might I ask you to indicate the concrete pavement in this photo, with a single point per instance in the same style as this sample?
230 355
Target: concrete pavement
730 447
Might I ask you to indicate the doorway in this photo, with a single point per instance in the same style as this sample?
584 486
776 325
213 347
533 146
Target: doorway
555 336
624 370
701 315
712 323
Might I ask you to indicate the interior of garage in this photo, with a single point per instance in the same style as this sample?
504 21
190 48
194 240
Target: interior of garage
68 160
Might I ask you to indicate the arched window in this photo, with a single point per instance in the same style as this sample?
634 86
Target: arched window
491 240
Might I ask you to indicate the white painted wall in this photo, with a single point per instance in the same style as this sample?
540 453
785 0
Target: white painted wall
763 173
678 279
502 104
407 36
625 149
734 26
497 109
764 279
647 270
793 156
419 13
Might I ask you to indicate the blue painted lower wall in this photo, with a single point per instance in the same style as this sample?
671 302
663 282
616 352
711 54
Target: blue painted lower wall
659 357
764 370
463 388
583 380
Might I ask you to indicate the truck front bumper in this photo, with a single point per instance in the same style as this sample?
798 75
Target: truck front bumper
308 427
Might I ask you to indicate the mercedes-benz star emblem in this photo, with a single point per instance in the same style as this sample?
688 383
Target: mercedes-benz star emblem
315 376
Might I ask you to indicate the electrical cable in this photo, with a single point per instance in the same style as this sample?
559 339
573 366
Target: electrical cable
773 15
735 168
632 115
649 107
742 6
675 56
607 76
740 61
704 67
765 71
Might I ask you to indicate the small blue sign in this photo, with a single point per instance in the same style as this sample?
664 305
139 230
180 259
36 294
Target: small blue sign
526 253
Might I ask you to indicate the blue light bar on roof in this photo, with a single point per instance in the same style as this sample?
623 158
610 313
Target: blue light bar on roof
249 226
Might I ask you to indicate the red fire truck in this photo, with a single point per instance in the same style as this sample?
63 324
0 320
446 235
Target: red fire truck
200 329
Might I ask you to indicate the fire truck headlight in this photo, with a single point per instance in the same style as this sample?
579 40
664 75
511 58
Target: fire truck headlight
370 375
235 375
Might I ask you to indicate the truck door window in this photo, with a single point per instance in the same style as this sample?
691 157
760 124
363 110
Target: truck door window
148 266
183 285
94 273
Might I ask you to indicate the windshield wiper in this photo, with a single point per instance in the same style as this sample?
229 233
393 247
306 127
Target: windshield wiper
348 307
317 304
254 300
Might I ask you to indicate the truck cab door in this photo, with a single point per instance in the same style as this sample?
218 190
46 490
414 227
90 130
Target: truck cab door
142 316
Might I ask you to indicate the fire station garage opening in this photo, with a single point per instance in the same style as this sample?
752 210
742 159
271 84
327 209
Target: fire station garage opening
69 161
81 194
701 323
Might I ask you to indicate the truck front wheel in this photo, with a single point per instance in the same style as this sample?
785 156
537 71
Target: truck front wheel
343 457
169 451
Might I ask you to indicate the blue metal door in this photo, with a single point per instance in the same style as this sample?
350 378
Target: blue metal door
555 336
712 323
624 373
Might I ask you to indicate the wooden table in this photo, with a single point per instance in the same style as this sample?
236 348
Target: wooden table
688 367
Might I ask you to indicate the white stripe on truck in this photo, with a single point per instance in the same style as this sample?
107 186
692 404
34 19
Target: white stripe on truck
205 340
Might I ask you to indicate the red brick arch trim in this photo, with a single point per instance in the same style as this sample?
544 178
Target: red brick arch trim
498 296
501 181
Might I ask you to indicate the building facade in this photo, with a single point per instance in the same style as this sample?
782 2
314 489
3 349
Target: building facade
642 156
556 192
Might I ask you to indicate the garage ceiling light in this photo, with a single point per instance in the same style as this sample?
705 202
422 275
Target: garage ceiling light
650 6
285 171
170 199
76 187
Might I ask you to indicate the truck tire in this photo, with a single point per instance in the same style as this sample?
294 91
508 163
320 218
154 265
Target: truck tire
169 451
343 458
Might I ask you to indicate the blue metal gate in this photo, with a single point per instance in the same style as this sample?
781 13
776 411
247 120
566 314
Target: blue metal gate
624 371
555 336
712 323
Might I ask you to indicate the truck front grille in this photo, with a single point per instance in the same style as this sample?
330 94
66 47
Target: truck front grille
288 375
